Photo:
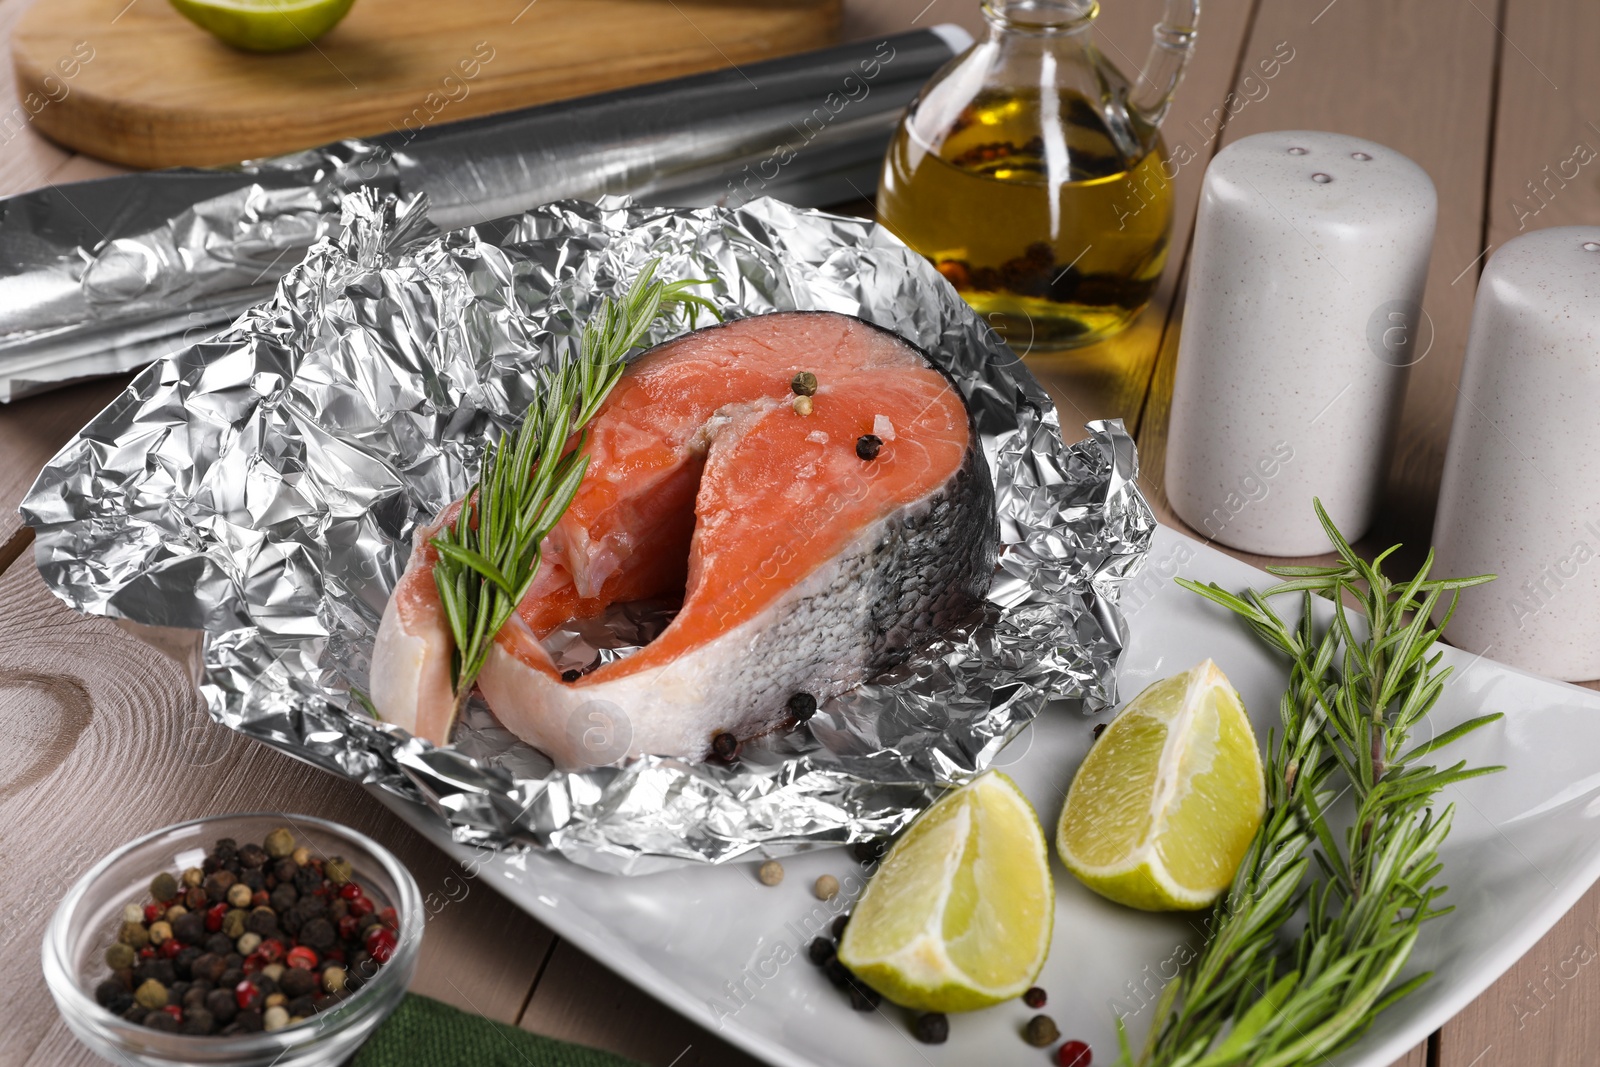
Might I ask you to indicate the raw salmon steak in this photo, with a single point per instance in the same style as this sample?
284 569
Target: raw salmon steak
803 567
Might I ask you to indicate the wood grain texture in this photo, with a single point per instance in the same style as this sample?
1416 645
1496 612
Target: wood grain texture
579 1000
105 740
136 83
1546 1009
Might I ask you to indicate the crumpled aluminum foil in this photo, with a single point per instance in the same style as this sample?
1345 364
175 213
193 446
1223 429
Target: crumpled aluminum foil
264 486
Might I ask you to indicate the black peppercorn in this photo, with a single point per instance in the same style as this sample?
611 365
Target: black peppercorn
804 384
571 675
864 998
820 951
307 881
218 944
135 1014
302 1006
248 1020
160 1020
252 856
1035 997
724 746
319 934
198 1021
868 446
184 960
866 852
297 982
263 921
285 869
107 991
208 966
254 877
839 924
190 928
283 898
802 706
217 884
222 1005
837 973
1099 728
932 1028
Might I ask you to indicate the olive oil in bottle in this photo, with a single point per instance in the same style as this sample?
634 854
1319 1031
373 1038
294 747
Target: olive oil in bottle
1027 206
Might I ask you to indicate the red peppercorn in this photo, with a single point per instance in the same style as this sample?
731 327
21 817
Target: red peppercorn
260 899
253 962
154 912
349 927
360 906
174 1010
169 948
302 958
148 952
248 995
214 916
349 891
336 955
1035 997
381 943
271 950
1074 1054
390 919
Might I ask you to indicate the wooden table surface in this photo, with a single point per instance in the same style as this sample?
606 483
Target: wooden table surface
102 740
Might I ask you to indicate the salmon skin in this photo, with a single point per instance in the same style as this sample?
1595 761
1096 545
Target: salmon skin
804 567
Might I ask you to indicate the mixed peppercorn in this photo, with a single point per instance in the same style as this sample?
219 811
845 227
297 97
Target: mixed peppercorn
256 938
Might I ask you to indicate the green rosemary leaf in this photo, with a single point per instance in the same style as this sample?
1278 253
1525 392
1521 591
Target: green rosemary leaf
1355 692
489 557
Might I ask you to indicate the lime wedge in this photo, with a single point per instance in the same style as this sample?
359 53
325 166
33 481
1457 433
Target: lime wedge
1163 808
265 25
958 917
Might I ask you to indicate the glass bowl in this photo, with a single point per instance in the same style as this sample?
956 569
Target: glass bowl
88 918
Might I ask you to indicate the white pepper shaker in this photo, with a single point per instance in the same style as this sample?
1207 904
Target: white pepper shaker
1303 313
1521 491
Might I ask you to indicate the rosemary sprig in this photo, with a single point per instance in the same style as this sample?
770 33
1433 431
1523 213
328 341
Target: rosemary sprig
488 558
1346 721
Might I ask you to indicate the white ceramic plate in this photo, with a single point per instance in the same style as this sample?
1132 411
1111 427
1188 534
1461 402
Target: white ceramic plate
730 953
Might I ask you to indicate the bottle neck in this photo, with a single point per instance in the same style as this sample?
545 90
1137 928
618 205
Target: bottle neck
1042 17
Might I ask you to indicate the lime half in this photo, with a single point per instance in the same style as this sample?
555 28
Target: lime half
958 917
1165 805
265 25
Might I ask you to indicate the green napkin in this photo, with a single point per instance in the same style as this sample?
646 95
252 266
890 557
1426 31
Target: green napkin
426 1033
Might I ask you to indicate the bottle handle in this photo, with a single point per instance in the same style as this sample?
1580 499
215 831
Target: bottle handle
1170 50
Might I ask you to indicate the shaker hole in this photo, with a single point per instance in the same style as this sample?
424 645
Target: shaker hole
1321 178
1591 246
1297 151
1360 155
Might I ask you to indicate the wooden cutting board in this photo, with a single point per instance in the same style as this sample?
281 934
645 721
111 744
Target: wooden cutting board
134 82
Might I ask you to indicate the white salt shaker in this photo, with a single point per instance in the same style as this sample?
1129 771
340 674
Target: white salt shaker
1303 313
1521 492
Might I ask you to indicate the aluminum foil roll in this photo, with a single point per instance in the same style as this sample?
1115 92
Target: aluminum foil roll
264 486
106 275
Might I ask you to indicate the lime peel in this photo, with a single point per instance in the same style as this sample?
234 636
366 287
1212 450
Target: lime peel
1163 809
960 913
265 25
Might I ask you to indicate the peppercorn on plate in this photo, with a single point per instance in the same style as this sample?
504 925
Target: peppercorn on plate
732 953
